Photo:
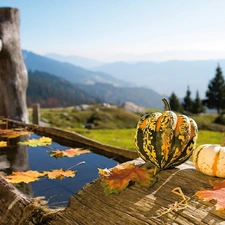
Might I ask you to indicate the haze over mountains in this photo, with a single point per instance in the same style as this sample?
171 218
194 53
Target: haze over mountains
76 60
163 77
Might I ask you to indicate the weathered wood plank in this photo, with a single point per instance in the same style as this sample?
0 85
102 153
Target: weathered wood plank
13 73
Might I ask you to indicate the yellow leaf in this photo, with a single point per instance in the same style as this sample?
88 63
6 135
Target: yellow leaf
59 174
26 177
3 143
37 142
68 153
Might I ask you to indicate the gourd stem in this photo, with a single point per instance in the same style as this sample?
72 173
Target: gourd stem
223 142
167 104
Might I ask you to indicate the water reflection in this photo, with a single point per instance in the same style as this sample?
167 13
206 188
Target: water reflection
21 158
14 157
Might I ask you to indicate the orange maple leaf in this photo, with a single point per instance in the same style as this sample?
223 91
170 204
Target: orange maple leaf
117 179
72 152
59 174
26 177
15 134
217 193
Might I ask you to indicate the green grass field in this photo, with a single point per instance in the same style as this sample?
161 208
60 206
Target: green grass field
116 127
124 138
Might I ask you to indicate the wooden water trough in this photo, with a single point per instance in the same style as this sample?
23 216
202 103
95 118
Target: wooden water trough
132 206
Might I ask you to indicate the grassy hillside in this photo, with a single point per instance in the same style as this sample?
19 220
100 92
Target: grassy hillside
115 126
100 117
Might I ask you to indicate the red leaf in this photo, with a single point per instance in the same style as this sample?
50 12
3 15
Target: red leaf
217 193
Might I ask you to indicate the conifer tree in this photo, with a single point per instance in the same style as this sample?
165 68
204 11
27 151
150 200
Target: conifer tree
188 103
175 103
198 105
215 95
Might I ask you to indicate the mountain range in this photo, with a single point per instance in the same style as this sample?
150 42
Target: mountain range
85 63
70 72
96 86
143 83
167 77
163 77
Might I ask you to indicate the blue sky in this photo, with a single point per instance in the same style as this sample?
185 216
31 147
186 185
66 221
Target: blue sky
113 30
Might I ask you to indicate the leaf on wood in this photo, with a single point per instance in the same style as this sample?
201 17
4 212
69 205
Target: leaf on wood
217 193
3 143
59 174
43 141
26 177
68 153
117 179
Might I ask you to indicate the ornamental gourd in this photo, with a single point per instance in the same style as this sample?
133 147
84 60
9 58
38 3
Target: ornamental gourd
210 159
165 139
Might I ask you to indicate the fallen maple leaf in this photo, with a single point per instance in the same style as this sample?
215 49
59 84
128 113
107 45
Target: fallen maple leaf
37 142
26 177
117 179
217 193
68 153
15 134
59 174
3 143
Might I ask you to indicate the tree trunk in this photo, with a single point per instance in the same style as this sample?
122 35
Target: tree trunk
13 73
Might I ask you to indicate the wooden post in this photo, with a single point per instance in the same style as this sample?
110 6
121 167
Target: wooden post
36 114
13 73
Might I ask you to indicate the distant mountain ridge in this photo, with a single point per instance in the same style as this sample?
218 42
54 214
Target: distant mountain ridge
68 71
117 95
53 84
167 77
76 60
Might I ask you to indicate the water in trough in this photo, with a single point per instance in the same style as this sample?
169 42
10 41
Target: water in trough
21 158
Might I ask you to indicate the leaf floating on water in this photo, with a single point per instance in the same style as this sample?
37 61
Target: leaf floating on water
31 175
68 153
15 134
12 133
117 179
3 143
26 177
43 141
217 193
59 174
